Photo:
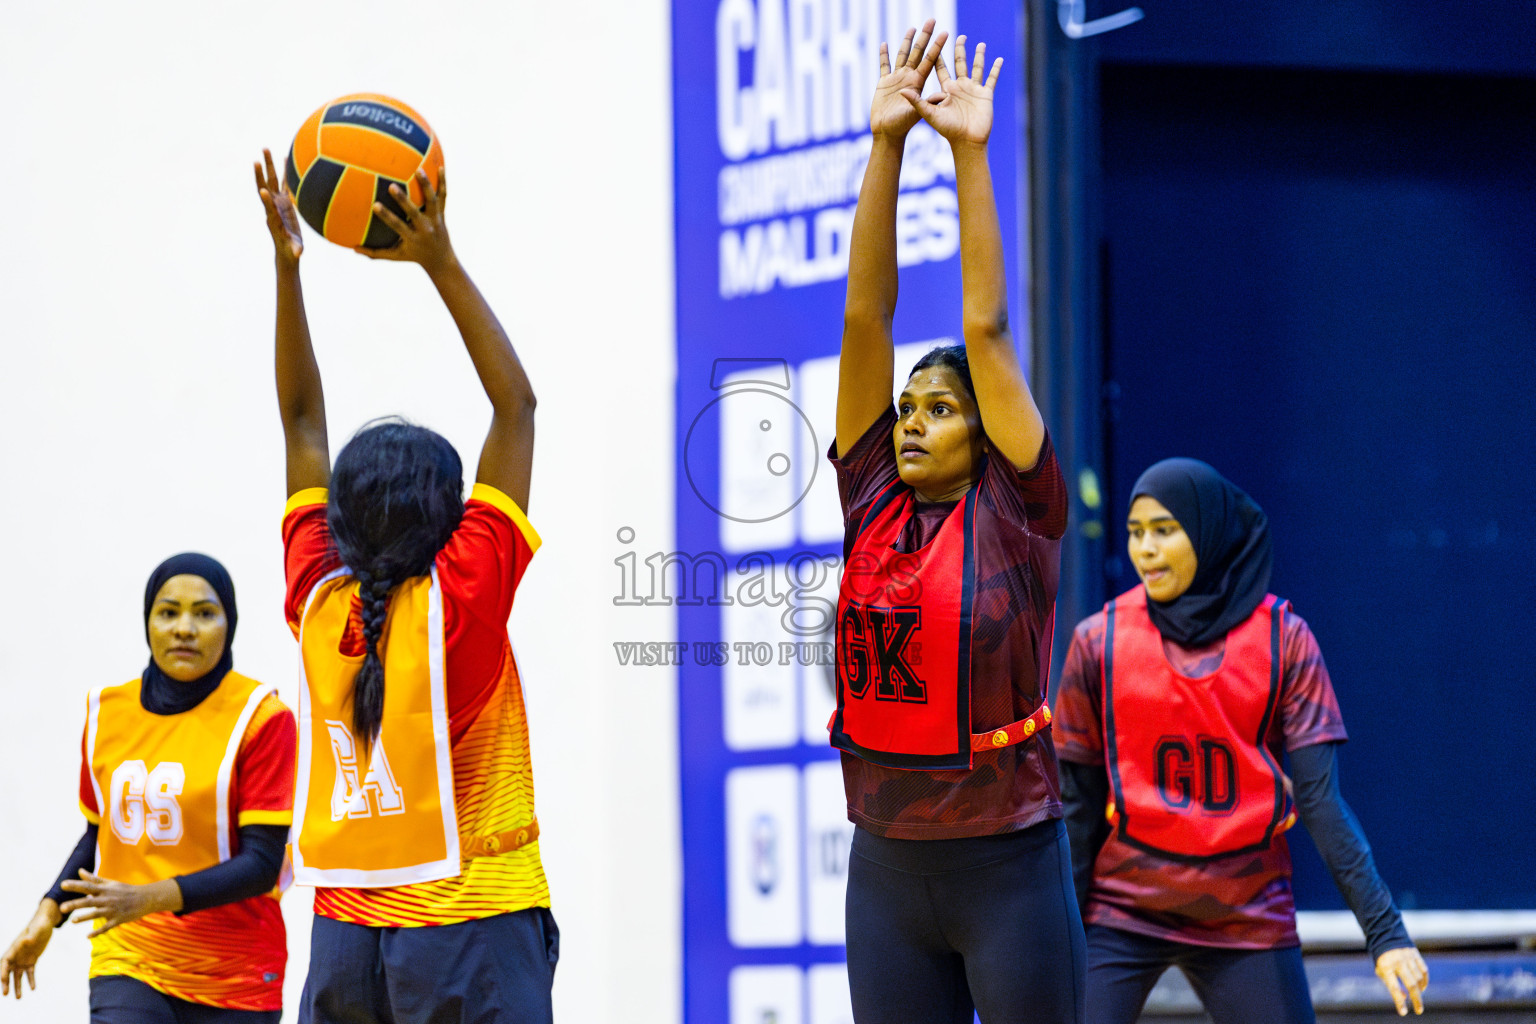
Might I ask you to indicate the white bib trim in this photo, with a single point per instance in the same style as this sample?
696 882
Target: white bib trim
360 878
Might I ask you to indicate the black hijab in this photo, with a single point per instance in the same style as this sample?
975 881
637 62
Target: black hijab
160 694
1233 550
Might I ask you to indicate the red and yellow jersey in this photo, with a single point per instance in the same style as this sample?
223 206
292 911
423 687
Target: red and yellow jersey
169 794
381 834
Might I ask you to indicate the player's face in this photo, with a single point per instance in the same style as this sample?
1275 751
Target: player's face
1160 549
938 435
187 628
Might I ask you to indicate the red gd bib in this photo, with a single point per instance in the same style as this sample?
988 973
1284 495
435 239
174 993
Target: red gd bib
1192 777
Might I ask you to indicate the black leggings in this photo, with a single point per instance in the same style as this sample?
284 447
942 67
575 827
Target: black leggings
939 929
116 999
1237 986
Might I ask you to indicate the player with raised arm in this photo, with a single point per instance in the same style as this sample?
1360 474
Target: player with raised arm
414 812
959 883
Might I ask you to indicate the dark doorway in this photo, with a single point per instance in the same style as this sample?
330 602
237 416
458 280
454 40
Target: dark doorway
1324 283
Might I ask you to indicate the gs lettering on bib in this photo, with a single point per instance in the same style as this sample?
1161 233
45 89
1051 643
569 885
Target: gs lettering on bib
162 782
904 640
1192 775
382 815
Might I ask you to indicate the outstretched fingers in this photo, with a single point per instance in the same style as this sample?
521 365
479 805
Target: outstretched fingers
997 65
932 55
960 62
431 198
394 221
919 45
905 48
273 181
885 59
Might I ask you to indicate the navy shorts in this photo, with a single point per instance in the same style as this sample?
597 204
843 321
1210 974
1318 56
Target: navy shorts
119 1000
497 970
941 928
1237 986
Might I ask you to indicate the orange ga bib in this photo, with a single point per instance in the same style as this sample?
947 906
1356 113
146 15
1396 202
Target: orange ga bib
384 816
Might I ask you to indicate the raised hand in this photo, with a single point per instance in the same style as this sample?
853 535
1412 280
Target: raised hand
962 109
423 233
889 113
1406 976
282 217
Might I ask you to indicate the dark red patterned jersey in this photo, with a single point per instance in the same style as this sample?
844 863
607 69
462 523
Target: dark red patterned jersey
1019 520
1243 900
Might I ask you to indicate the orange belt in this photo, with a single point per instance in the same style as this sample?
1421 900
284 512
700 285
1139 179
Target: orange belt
501 842
1018 732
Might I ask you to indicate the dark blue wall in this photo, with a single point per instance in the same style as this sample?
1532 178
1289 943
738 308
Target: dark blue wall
1487 37
1324 282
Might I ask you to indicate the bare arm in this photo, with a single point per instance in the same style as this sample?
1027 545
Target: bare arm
865 371
963 115
506 460
300 398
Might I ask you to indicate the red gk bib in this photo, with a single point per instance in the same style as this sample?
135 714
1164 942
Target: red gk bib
904 644
1192 776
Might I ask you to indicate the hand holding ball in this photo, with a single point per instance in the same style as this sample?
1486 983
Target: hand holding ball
345 157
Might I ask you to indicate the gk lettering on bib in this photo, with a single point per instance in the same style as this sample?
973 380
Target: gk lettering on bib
1192 774
904 640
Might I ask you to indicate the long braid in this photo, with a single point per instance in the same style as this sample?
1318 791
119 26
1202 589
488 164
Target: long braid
368 689
397 495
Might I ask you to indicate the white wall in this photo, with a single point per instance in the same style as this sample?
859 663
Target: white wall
137 411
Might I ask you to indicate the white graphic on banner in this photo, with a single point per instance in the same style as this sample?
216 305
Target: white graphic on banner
759 699
827 987
828 836
762 822
767 995
789 73
765 445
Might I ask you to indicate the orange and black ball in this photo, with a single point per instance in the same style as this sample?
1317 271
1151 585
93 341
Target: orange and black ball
347 154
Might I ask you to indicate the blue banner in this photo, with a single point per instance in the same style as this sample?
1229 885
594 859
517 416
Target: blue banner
771 107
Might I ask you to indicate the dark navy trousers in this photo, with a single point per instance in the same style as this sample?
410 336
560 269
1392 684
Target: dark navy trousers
939 929
497 970
119 1000
1237 986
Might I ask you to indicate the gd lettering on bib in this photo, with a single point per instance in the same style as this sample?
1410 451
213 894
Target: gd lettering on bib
1192 775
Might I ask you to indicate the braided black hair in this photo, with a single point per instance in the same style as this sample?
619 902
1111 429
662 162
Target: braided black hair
396 496
953 357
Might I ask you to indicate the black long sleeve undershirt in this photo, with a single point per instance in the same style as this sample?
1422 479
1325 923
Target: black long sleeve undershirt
250 872
1336 833
1084 795
1332 825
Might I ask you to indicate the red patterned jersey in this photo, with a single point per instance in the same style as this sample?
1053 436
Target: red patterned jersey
1243 900
1019 520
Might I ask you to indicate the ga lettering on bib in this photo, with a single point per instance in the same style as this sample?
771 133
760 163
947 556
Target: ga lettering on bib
383 816
1192 775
